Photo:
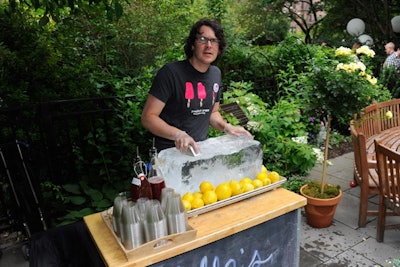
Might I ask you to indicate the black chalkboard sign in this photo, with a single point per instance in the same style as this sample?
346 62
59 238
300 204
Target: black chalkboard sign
272 243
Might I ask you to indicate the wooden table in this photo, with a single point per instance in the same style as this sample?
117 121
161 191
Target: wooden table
213 226
389 138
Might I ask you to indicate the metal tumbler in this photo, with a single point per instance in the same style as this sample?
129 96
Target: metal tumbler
166 193
119 201
155 224
132 230
176 215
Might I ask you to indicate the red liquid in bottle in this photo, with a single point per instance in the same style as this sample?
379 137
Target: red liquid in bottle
140 187
157 184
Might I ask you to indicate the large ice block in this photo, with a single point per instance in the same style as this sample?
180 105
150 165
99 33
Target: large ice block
221 159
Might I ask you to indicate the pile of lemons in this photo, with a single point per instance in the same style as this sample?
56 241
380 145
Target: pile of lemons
209 194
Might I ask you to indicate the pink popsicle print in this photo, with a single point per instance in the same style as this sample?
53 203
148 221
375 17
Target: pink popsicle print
201 92
189 93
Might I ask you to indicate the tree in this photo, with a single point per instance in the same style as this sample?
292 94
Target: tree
54 9
258 23
307 16
376 15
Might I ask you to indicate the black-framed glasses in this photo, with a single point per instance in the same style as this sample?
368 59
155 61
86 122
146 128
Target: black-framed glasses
205 40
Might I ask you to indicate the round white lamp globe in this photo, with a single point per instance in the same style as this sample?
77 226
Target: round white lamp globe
355 27
396 24
366 39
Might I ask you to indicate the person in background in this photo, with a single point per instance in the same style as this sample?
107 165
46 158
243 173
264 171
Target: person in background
184 97
393 59
355 46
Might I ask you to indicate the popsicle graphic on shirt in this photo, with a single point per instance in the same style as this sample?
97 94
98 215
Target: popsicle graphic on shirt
189 93
201 92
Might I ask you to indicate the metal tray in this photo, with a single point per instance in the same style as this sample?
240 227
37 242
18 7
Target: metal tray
231 200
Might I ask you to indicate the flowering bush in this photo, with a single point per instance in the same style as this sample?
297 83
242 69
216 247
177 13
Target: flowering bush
334 82
356 65
337 84
341 85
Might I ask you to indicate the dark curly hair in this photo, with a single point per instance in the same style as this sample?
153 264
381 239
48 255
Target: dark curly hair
219 33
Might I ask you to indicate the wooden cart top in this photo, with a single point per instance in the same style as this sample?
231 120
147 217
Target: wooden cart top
211 226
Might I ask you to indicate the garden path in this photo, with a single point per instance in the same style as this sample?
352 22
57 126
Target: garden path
344 243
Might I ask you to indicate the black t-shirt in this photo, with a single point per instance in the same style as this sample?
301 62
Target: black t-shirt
189 97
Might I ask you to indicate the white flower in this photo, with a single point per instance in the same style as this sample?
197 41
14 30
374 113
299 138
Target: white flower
319 154
343 51
359 65
351 67
389 115
371 79
300 139
252 110
366 51
255 126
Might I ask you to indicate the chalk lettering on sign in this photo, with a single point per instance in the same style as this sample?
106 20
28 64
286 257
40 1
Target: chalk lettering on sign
256 260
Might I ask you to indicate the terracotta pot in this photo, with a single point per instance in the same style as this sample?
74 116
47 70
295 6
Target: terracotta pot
320 212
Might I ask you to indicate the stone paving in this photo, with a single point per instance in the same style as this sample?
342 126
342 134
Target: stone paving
344 243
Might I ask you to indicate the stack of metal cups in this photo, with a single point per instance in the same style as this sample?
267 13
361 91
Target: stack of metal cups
148 219
120 200
176 215
131 229
155 223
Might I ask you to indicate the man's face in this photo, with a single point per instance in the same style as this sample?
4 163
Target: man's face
206 46
388 49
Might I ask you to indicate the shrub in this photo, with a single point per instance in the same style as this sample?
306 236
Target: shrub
275 128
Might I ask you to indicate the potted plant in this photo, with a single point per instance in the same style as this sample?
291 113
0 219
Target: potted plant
337 85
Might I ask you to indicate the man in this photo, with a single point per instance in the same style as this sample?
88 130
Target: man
393 59
184 97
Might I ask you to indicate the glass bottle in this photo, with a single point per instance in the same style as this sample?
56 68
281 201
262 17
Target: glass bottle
152 166
140 187
156 181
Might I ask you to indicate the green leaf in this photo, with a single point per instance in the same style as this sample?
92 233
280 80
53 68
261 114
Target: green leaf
72 188
95 195
102 204
77 200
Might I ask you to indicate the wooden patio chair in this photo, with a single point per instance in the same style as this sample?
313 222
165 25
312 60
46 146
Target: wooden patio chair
388 163
365 175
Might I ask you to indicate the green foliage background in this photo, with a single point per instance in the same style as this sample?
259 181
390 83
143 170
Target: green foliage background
83 54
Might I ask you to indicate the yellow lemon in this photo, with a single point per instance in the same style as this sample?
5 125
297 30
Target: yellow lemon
257 183
247 187
274 177
264 178
188 197
197 195
209 197
264 169
266 181
261 176
187 204
197 203
236 187
206 186
246 180
223 191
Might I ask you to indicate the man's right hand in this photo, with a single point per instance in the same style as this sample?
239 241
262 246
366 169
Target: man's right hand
183 141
